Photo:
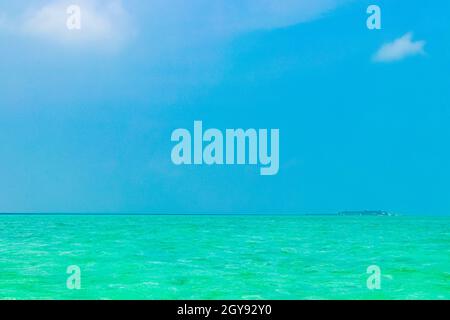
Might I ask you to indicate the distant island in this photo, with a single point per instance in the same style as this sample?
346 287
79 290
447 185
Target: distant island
369 213
366 213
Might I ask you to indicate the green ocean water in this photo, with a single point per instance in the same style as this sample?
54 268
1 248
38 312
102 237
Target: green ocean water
224 257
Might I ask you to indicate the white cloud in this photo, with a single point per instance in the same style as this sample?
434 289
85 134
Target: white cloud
104 23
399 49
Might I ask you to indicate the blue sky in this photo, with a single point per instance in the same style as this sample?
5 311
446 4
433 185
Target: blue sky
85 120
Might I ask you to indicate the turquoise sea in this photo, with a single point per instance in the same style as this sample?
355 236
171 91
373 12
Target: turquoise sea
224 257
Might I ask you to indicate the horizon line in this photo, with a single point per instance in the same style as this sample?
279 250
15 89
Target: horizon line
338 214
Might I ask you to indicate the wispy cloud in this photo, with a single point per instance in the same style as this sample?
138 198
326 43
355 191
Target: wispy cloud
248 15
206 18
399 49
